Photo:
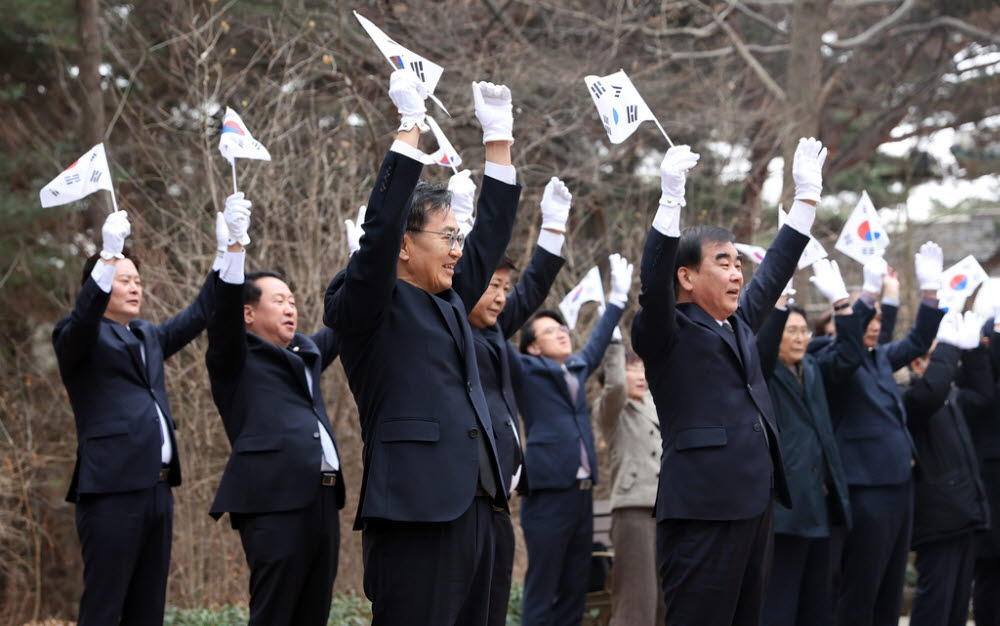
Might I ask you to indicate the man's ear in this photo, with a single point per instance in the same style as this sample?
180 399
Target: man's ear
248 314
686 277
534 350
404 250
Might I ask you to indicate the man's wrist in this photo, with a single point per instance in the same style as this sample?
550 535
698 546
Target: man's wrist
551 242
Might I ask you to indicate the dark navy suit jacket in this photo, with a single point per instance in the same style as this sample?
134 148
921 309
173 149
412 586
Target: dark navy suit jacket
112 393
499 367
554 423
271 418
410 359
709 391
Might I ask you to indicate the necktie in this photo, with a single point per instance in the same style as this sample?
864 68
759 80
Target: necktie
574 389
729 327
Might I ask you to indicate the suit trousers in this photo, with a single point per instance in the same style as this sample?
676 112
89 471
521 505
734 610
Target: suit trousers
293 558
986 592
503 566
430 573
558 529
944 582
800 592
873 563
635 584
715 573
125 539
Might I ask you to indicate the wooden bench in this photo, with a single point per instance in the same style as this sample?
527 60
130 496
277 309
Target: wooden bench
597 609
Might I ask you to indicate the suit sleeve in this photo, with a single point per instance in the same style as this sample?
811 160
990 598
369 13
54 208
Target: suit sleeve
615 391
484 248
181 329
357 303
329 345
838 361
654 325
758 297
927 394
769 341
918 341
75 334
227 343
890 312
531 290
600 337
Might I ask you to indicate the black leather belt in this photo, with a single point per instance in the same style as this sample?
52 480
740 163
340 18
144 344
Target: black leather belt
584 484
164 474
329 479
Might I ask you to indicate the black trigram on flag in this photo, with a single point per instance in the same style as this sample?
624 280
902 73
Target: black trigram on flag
71 179
95 176
597 88
418 69
618 91
607 127
631 113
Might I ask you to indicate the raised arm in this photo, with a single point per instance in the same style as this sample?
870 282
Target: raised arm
918 341
615 392
227 345
769 339
329 345
621 282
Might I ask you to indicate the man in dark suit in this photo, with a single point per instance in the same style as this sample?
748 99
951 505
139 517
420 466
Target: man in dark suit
877 452
431 477
721 460
282 486
111 363
557 514
494 319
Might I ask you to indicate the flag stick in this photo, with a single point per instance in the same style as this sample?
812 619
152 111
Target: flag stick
663 131
233 163
114 202
454 169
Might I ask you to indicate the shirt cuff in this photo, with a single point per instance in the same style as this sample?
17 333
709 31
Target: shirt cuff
801 216
931 302
503 173
890 301
407 150
551 242
868 299
667 220
103 274
232 267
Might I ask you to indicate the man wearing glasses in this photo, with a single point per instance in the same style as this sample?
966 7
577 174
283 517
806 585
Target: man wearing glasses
431 478
560 460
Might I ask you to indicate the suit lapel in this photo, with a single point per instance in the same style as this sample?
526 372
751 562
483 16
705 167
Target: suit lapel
450 315
699 316
133 347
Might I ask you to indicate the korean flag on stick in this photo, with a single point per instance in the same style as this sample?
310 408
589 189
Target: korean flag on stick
961 279
814 249
590 289
401 58
236 142
863 236
619 105
87 174
445 154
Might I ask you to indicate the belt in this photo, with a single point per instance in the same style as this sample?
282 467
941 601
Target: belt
329 479
164 474
584 484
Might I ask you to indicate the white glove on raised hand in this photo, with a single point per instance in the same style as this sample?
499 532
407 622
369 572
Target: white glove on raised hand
116 228
494 111
827 279
221 241
621 280
237 216
463 197
616 334
807 169
874 270
929 264
673 173
970 330
354 230
408 94
556 200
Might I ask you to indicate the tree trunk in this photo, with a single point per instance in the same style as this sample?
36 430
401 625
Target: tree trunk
92 124
761 152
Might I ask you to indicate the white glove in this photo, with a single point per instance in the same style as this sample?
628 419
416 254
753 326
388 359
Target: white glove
949 330
621 280
929 264
237 216
673 174
556 200
408 94
354 230
961 331
494 111
221 241
827 279
116 228
616 334
807 169
463 196
874 271
996 314
971 327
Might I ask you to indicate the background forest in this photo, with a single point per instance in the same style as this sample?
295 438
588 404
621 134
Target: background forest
739 80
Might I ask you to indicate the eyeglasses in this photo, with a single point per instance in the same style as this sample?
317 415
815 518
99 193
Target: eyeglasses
554 329
799 332
454 237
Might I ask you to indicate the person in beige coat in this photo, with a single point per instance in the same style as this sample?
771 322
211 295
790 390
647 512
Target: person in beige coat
628 419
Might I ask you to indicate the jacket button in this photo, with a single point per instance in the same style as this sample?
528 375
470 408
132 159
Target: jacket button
473 433
316 435
756 427
468 386
814 468
651 433
652 454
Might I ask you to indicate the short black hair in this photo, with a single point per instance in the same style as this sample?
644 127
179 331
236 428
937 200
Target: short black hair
427 198
251 292
528 331
88 265
794 308
692 240
506 263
